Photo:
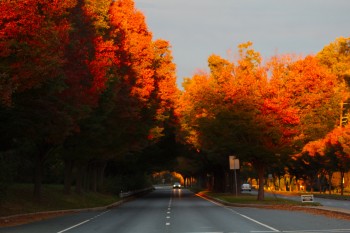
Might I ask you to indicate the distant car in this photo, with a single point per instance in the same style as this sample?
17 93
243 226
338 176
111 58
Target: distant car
176 185
246 187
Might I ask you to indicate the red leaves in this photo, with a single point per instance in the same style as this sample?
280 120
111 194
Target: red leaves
105 58
31 38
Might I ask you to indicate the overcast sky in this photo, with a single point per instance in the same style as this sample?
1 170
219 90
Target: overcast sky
198 28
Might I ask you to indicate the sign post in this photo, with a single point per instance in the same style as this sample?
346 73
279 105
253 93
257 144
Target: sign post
234 165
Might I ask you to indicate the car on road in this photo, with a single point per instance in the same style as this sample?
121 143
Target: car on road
176 185
246 187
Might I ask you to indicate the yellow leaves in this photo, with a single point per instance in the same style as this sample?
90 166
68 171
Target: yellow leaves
98 11
248 57
155 133
336 56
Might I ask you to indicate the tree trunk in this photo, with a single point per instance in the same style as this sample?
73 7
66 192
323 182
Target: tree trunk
38 177
101 175
330 175
94 178
79 180
39 170
68 175
342 183
219 181
261 171
279 183
210 180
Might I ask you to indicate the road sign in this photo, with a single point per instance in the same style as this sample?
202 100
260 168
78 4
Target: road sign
234 163
307 198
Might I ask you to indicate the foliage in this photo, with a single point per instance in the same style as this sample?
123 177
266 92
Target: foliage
82 84
336 56
19 200
257 112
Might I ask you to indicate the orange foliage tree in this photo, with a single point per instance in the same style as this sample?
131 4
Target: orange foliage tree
334 149
325 138
244 110
235 110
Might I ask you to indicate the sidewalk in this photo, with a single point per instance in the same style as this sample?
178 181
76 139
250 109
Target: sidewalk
324 210
331 209
325 207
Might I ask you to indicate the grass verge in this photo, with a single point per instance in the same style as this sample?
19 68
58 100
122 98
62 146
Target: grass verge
19 200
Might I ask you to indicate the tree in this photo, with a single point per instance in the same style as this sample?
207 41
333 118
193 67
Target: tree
232 111
336 143
32 35
336 57
32 62
239 109
129 25
132 113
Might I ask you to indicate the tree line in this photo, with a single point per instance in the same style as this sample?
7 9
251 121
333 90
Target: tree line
85 94
89 99
280 116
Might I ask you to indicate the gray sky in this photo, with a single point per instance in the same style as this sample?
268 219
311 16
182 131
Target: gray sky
198 28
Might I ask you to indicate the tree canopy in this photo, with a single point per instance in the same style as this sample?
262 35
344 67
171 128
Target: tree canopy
85 88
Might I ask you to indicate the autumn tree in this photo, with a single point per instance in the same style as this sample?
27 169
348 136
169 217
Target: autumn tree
242 109
336 58
32 36
135 106
333 149
230 112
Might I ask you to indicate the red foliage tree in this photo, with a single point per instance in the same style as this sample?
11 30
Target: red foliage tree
33 34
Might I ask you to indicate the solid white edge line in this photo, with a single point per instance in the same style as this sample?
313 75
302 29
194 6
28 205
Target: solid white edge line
324 230
69 228
242 215
253 220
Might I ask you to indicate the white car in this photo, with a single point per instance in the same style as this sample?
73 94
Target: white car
176 185
246 187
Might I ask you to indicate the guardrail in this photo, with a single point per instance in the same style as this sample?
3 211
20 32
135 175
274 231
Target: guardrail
135 192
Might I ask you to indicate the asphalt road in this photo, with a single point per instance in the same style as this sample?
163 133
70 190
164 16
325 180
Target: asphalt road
180 211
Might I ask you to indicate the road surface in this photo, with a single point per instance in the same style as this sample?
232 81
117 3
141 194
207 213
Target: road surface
180 211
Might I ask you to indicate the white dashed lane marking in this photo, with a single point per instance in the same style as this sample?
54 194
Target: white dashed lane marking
168 212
